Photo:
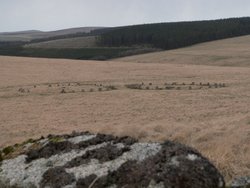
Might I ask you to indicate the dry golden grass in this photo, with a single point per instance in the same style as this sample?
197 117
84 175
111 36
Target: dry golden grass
215 121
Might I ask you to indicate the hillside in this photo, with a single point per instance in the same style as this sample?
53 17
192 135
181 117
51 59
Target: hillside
33 34
77 42
108 43
227 52
24 36
176 34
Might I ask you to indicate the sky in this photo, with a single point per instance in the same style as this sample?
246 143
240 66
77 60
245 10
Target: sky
47 15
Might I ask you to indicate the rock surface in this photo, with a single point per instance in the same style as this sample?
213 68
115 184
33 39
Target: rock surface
242 182
87 160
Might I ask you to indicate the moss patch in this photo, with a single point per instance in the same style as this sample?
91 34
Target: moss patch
56 139
8 150
28 141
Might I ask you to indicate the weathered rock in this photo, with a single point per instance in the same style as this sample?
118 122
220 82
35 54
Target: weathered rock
87 160
242 182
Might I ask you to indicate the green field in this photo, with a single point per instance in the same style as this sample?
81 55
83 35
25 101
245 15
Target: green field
82 53
76 42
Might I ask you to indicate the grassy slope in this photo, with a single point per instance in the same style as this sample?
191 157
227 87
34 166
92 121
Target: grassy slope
78 42
227 52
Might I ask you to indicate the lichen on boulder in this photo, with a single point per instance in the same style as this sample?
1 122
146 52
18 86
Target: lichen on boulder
98 160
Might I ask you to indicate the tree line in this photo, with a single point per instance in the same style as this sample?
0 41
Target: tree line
176 34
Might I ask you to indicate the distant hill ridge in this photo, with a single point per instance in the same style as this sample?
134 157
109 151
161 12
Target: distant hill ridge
94 42
36 34
20 32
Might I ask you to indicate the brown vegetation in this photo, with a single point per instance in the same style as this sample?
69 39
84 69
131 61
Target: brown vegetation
215 121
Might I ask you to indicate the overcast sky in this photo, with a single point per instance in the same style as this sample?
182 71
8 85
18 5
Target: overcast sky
16 15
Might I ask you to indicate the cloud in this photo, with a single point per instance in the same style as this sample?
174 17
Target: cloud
58 14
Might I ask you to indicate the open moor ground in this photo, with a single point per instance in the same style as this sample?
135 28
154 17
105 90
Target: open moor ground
216 121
